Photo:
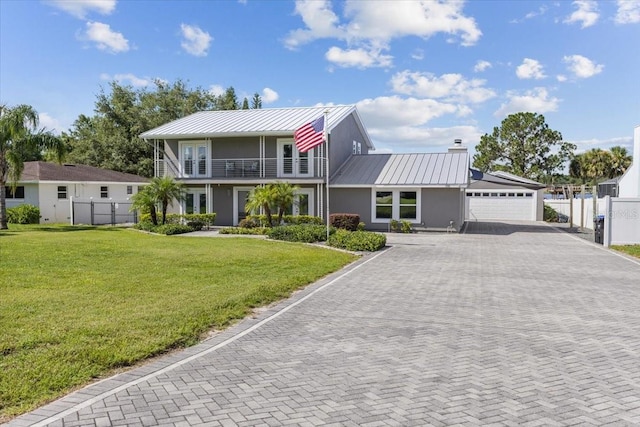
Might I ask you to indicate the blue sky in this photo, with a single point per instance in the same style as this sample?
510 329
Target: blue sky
421 73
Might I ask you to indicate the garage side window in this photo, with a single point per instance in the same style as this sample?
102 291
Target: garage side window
408 205
384 204
396 204
62 192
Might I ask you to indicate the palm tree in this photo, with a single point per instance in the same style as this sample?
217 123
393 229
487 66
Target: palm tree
19 134
620 161
283 197
261 198
144 201
164 190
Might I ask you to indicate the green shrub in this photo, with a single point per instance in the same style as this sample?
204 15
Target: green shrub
249 222
197 221
261 220
405 226
394 225
170 229
344 221
306 233
23 214
238 230
357 240
207 220
550 214
361 226
167 229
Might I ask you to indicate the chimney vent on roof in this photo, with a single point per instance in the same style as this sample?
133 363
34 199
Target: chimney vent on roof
457 147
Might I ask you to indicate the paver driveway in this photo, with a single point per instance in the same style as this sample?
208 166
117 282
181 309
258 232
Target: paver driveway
508 324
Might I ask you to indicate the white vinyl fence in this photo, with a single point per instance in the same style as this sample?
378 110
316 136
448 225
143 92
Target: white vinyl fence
621 217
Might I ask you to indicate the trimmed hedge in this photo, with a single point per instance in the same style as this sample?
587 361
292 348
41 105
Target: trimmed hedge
239 230
261 220
306 233
357 240
345 221
168 229
196 220
23 214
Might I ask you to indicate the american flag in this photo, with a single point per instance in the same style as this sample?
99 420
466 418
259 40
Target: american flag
310 135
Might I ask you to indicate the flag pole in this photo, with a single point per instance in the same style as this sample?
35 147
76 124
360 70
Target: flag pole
326 136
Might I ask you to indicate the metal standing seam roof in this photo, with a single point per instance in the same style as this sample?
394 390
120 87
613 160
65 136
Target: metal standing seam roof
423 169
266 121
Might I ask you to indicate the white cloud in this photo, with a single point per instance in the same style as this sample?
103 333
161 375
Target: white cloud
105 38
49 123
541 11
605 144
449 87
393 111
481 66
128 78
418 54
369 27
582 67
195 41
269 95
360 58
530 69
216 90
80 8
628 12
586 13
535 101
561 78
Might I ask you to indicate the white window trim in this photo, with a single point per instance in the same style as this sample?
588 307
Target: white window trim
296 157
195 143
395 204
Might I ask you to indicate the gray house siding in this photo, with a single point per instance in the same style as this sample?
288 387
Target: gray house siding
352 200
235 148
441 205
223 204
341 142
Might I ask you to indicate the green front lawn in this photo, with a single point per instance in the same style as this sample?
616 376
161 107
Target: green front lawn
78 302
633 250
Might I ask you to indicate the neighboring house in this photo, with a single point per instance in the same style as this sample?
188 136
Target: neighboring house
221 155
504 196
52 187
629 183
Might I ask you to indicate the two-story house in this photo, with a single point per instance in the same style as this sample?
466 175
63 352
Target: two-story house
221 155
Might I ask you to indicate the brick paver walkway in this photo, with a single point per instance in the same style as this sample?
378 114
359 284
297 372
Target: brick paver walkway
508 324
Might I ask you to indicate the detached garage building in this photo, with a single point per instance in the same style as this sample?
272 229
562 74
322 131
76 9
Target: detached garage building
503 196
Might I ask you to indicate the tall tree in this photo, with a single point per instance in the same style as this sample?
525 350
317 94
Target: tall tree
261 198
256 101
598 164
19 135
245 104
620 161
283 195
228 100
523 145
109 139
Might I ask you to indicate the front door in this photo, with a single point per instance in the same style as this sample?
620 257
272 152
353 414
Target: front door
240 197
195 202
291 162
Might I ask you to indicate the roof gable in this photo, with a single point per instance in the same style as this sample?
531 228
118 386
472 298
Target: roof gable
46 171
263 121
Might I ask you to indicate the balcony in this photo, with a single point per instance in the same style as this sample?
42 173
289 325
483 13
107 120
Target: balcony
242 168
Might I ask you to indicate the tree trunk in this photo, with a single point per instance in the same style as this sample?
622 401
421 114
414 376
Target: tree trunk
3 205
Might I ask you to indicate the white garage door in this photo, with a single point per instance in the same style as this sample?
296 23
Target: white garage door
519 205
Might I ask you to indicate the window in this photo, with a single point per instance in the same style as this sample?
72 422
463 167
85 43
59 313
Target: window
129 189
104 192
357 147
408 204
62 192
18 194
396 204
384 204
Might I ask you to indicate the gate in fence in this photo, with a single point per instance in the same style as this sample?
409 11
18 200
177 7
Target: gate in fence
102 212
